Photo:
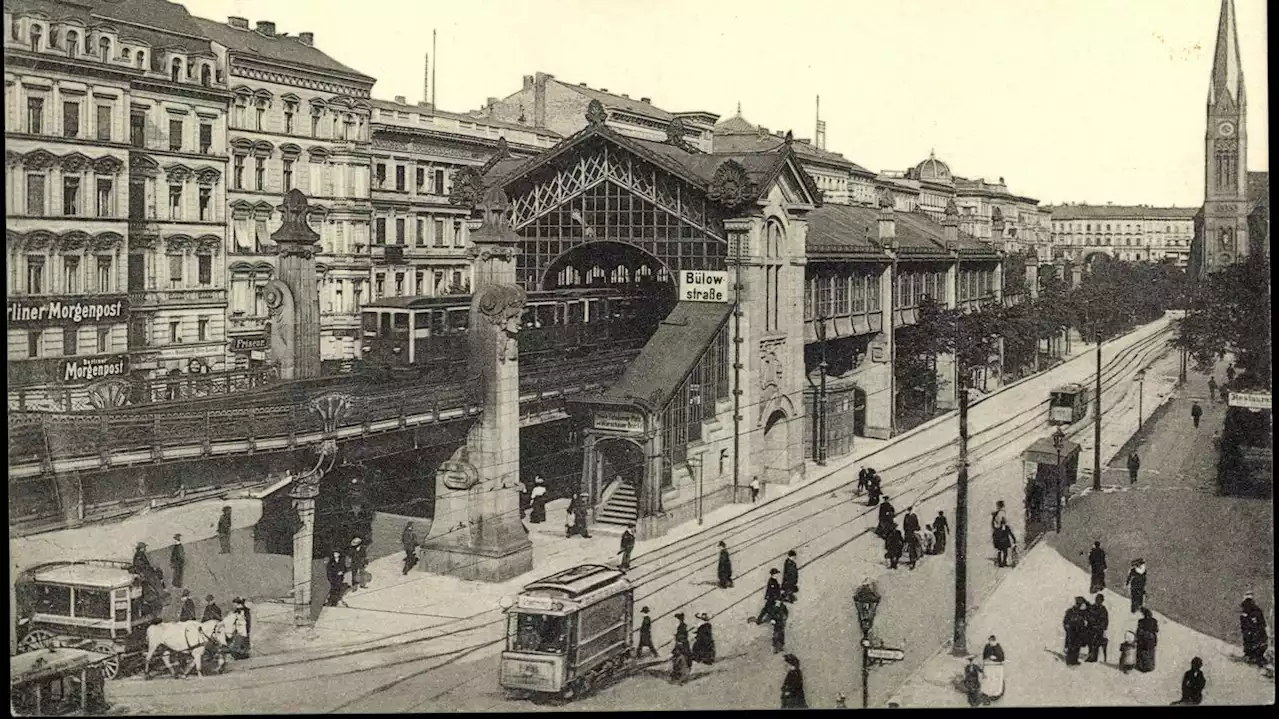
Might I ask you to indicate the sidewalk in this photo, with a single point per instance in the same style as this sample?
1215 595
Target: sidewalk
1025 614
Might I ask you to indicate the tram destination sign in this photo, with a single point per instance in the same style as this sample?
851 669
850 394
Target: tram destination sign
704 286
75 311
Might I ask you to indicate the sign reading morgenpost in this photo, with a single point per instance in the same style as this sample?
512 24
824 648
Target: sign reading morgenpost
704 286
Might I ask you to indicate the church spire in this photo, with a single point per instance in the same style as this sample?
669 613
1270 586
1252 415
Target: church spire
1227 78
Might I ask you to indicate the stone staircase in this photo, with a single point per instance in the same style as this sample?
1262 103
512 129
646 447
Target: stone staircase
621 509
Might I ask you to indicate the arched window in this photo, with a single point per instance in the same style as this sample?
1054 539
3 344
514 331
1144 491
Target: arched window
206 76
142 60
104 48
176 71
37 34
124 54
73 42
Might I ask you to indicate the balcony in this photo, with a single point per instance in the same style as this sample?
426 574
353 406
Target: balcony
168 298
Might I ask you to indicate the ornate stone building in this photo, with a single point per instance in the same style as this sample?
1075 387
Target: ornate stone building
297 119
1130 233
115 164
420 239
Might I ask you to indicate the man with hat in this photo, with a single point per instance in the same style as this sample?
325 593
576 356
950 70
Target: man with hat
772 593
681 653
212 612
187 613
790 577
224 531
177 560
1137 584
1253 630
538 501
358 557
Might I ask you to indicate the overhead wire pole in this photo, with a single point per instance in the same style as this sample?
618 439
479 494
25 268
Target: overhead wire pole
1097 413
737 359
959 641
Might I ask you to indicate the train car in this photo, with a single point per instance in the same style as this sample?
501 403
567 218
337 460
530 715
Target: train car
1068 404
568 632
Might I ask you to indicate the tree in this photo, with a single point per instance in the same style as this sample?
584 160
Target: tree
1230 313
916 355
1018 328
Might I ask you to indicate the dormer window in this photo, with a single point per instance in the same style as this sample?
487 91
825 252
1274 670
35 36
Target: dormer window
124 54
37 34
142 60
104 48
73 40
206 76
176 71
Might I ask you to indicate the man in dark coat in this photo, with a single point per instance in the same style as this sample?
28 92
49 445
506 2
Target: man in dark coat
772 593
358 558
1097 569
793 685
1004 541
1253 631
940 530
873 488
862 480
1098 618
187 612
211 611
681 652
580 517
779 618
646 634
1213 389
224 531
1075 624
790 577
724 568
1137 584
409 542
334 567
1195 414
1134 463
628 543
177 560
1193 682
886 515
1148 636
704 644
893 547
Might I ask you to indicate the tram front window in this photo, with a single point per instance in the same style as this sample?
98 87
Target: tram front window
538 633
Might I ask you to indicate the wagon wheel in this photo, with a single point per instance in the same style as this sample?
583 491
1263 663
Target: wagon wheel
37 639
570 690
110 665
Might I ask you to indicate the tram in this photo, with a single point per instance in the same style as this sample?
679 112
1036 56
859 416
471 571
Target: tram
1068 404
568 632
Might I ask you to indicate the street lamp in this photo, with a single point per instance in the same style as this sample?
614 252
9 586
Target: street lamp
1059 439
1140 378
820 420
866 600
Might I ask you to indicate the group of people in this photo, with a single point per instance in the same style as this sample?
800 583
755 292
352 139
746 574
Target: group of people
1085 625
238 627
683 654
984 683
914 539
348 569
869 482
1003 538
777 595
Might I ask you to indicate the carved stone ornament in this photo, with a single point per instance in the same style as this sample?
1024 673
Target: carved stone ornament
110 393
501 306
294 229
731 187
331 407
771 370
595 113
458 476
486 253
107 165
75 162
675 135
274 297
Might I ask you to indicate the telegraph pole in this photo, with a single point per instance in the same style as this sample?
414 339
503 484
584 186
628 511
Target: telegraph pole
959 645
1097 414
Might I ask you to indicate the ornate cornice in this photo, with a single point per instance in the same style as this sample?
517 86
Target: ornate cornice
241 68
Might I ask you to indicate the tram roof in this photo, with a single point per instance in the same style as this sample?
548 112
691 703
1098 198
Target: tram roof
88 575
579 580
1070 388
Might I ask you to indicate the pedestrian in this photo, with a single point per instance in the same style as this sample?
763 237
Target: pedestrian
724 568
793 685
1147 635
992 669
873 488
187 612
779 618
1195 414
409 540
1099 619
358 558
997 518
334 569
1213 389
790 577
212 612
1253 631
646 634
1137 584
755 489
628 543
538 502
1097 568
893 547
973 682
238 634
1134 464
1128 652
704 644
1004 541
1193 682
580 516
1224 394
177 560
571 517
862 481
224 531
940 531
1231 373
772 593
927 540
886 518
1074 626
681 652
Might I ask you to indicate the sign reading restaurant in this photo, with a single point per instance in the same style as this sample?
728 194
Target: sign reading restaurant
67 311
1250 400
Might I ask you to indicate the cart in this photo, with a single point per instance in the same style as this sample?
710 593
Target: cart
93 605
57 682
568 632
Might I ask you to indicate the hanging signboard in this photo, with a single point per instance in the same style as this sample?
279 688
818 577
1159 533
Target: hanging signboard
704 286
619 421
1249 400
245 344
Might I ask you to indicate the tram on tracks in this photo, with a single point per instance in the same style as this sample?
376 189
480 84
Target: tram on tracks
568 633
1068 404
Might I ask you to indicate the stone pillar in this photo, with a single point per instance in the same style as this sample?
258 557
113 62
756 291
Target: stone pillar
948 380
292 298
71 499
877 379
1033 280
303 550
495 545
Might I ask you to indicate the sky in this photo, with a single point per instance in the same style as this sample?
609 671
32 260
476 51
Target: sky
1069 100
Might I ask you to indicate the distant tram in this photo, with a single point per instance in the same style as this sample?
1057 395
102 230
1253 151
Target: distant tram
1068 404
568 632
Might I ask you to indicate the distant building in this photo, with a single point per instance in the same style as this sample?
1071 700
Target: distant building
1134 233
1013 223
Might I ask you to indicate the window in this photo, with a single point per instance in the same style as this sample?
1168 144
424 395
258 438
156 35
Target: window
202 330
237 176
438 277
175 271
399 284
35 115
260 116
137 128
142 60
315 123
69 340
37 34
418 281
175 202
457 234
204 269
261 236
104 196
288 174
206 204
380 175
206 137
124 54
175 332
348 128
400 231
400 178
439 234
439 182
71 275
241 114
71 196
104 273
70 119
72 40
175 135
421 238
379 286
35 193
33 343
104 339
104 123
35 274
420 177
380 231
289 109
457 278
206 76
259 173
175 71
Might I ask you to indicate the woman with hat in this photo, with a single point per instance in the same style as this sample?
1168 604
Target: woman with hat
793 685
538 501
992 669
1253 631
1137 584
187 612
1147 635
704 645
772 593
238 643
973 682
1193 682
177 560
681 653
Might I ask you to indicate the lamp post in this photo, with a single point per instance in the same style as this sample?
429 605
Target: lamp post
1140 378
1097 413
820 421
1059 439
865 600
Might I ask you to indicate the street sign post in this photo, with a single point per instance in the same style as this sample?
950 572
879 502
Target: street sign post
886 654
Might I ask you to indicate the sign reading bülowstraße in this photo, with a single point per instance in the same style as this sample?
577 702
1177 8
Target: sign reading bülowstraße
67 311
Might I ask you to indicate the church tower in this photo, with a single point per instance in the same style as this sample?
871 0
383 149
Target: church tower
1222 236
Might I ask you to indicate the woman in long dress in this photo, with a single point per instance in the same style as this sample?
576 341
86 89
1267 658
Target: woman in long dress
1148 629
992 669
704 645
538 502
793 685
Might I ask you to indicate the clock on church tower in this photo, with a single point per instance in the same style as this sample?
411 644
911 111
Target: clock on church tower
1226 129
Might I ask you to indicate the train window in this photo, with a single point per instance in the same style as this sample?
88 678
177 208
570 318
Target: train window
544 316
369 322
385 324
457 320
52 599
93 604
594 309
437 322
401 321
421 320
539 633
573 313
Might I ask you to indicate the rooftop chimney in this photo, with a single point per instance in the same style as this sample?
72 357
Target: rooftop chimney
626 96
528 82
399 99
887 228
540 98
604 89
951 225
645 100
266 27
240 22
490 102
307 38
582 84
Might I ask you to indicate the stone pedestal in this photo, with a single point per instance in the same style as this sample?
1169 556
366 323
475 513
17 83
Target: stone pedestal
876 378
303 548
292 298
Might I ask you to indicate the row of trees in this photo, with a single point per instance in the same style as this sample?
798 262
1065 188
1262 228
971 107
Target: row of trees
1229 312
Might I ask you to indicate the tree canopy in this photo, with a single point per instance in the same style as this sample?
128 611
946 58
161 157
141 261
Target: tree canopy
1230 313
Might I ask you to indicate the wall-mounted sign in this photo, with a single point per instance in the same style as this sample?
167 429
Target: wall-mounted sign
618 420
879 351
704 286
67 370
1249 400
67 311
245 344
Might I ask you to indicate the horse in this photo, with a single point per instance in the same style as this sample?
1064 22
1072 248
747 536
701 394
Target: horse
185 637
